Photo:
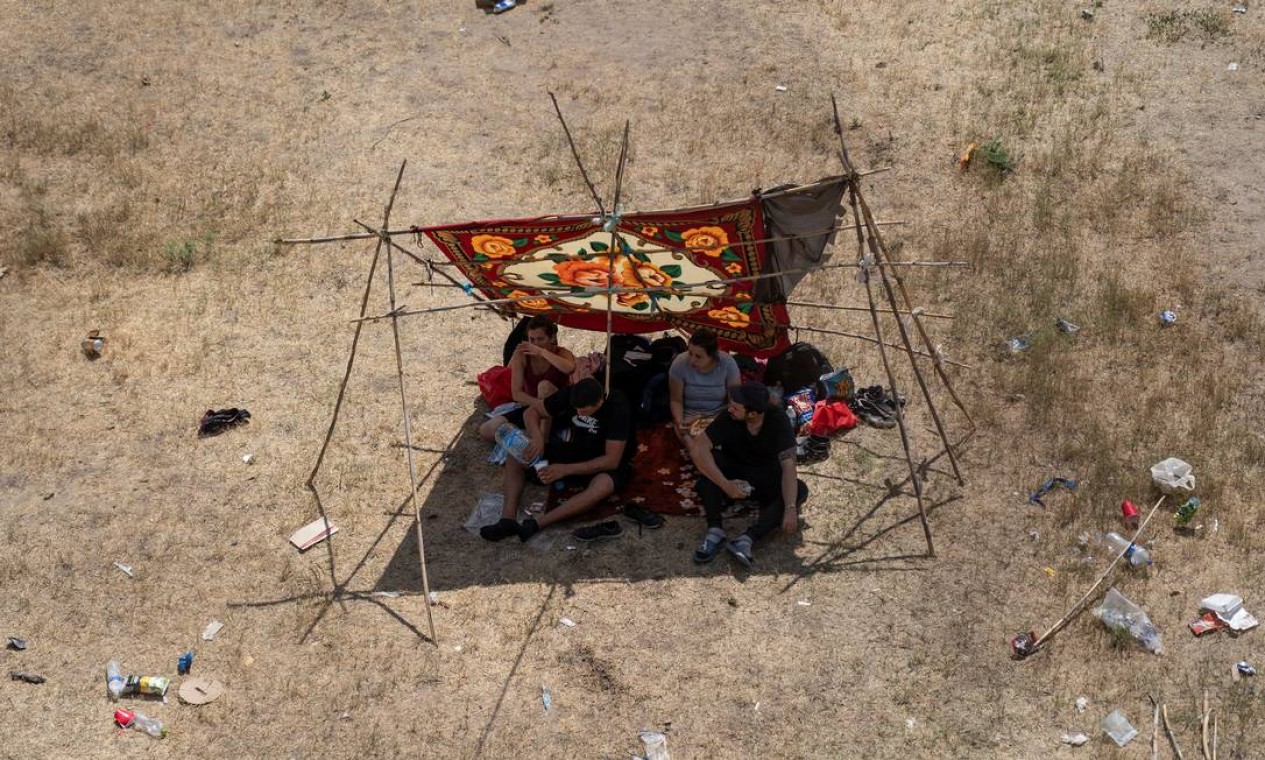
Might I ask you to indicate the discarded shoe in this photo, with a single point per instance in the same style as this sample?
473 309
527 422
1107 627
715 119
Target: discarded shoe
603 531
643 517
216 421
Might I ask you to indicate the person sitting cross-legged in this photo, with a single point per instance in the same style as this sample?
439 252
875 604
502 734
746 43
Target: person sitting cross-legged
587 438
752 444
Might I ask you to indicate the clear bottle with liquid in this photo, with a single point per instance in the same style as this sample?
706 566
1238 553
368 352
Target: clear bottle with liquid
140 722
515 441
1136 555
114 681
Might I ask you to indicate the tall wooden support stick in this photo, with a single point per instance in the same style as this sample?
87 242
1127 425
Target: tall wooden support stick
576 155
615 251
878 251
408 434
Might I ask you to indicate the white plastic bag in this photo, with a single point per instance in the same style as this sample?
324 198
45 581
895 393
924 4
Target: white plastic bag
1117 612
1173 475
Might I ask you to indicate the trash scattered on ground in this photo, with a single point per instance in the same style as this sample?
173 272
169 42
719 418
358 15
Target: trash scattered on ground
16 644
386 594
200 691
1232 66
1186 512
1019 343
140 722
1087 14
1137 556
1023 644
1244 669
1050 485
1173 475
93 345
1118 613
1207 623
216 421
1118 727
654 744
19 675
1081 704
1065 327
568 622
1239 8
804 603
487 511
248 458
127 569
1229 609
967 155
212 628
910 723
546 698
781 88
184 663
1074 740
1168 317
313 533
457 648
3 272
433 598
1050 571
504 5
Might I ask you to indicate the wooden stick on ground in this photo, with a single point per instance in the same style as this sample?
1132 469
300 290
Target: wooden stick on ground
1214 737
1155 731
1203 729
1076 608
1172 739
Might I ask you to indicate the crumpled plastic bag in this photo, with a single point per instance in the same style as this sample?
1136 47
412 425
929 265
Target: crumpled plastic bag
1118 613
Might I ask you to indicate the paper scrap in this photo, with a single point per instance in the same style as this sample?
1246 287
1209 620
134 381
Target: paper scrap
313 533
212 628
127 569
568 622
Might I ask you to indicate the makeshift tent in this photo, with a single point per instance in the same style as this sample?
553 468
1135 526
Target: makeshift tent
727 266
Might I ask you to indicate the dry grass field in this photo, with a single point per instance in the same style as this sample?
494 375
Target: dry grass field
149 153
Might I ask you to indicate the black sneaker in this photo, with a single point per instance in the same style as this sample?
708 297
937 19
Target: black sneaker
643 516
499 531
603 531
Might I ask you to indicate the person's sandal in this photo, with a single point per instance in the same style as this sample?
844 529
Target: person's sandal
643 517
740 547
712 542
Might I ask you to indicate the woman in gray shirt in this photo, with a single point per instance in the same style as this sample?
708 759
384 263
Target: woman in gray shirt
699 382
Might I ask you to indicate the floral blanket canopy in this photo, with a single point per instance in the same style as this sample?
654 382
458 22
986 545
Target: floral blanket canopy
663 267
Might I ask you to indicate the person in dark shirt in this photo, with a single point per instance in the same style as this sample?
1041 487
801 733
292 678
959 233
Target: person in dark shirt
583 436
747 452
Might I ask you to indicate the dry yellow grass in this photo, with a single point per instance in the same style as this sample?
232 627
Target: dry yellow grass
148 152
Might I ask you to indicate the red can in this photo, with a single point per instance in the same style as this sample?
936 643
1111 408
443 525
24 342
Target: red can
124 718
1129 511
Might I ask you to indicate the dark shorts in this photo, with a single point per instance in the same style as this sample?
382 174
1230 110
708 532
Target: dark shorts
620 476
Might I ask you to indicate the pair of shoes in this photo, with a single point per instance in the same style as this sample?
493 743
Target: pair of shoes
874 407
707 551
740 547
815 449
603 531
643 517
500 530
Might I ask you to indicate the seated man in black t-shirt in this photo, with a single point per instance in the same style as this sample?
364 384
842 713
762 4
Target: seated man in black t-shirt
747 452
584 437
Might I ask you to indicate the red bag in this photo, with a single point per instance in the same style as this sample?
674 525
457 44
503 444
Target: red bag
495 386
830 417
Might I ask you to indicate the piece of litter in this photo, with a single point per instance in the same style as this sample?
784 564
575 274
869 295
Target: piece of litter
757 707
18 675
1049 485
200 691
1034 535
248 458
1075 740
1081 704
1065 327
212 628
1245 669
434 598
1168 317
909 722
313 533
546 697
16 644
781 88
127 569
1239 9
1050 571
386 594
1232 67
568 622
457 648
804 603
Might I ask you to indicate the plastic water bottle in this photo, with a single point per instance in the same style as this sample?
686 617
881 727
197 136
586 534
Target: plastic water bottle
140 722
114 680
1136 555
515 441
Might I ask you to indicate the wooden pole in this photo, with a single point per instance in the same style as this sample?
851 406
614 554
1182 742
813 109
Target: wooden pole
1203 730
1155 731
408 433
615 251
576 155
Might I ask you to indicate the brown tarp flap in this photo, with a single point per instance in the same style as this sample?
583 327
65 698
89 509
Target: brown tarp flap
793 212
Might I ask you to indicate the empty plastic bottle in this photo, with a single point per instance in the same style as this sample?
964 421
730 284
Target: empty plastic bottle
1136 555
114 679
515 441
140 722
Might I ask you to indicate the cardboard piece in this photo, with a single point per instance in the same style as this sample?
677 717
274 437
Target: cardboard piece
200 691
313 533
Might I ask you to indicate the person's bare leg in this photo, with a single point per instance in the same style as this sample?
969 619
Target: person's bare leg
599 488
487 431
